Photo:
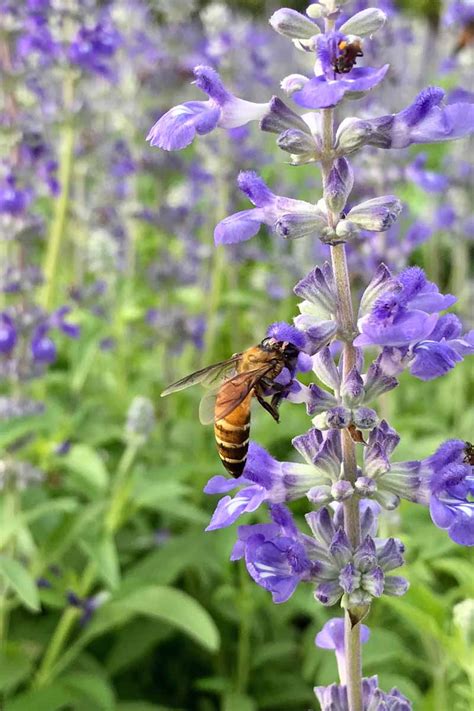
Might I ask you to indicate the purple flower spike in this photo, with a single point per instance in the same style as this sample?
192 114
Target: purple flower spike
289 218
177 128
43 349
451 482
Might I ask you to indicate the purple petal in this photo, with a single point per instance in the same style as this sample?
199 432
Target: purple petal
178 127
229 509
240 227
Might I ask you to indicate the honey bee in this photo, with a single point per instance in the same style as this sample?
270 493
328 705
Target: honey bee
350 51
469 454
465 39
233 384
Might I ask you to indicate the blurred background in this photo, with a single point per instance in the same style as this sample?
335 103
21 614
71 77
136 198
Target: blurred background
112 596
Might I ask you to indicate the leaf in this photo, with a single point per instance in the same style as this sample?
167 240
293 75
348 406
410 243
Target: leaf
90 688
88 468
14 525
21 581
178 609
104 554
15 666
133 642
19 427
238 702
51 698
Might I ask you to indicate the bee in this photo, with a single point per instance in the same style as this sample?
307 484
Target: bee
233 384
469 454
350 51
466 38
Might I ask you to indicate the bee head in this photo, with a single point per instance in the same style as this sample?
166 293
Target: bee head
284 348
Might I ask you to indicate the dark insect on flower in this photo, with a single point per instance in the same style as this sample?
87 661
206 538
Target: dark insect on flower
469 454
350 51
234 382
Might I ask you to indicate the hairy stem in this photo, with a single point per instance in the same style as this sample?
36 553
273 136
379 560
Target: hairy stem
345 317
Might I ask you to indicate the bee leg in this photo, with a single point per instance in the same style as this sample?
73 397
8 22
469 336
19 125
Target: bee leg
268 407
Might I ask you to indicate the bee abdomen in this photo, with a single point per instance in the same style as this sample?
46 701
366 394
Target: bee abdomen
232 444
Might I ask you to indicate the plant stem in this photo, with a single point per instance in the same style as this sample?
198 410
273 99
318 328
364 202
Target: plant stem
66 154
345 317
46 671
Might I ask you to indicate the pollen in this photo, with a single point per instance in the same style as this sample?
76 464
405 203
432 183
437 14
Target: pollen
342 44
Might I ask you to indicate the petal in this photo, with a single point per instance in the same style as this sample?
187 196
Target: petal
318 93
239 227
178 127
228 510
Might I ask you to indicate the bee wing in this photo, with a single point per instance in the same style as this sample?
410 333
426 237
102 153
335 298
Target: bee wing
209 377
231 394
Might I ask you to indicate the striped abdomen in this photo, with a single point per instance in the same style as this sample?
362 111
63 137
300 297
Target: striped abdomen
232 434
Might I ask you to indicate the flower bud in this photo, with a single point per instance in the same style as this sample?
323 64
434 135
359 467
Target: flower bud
320 495
365 486
352 388
319 333
140 419
297 142
346 231
293 24
280 117
377 382
319 400
342 490
315 11
364 418
381 282
351 135
326 370
8 336
294 225
337 418
364 23
338 186
317 287
376 215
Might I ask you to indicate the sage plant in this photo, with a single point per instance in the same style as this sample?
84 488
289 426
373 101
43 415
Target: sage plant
345 468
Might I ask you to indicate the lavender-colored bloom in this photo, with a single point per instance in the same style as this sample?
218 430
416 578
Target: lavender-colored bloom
277 556
459 12
403 317
289 218
93 48
8 335
265 479
428 180
178 127
426 120
451 483
335 75
43 349
13 200
334 697
58 320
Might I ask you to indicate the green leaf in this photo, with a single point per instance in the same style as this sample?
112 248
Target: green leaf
104 554
238 702
133 642
19 427
21 581
51 698
11 527
88 469
90 688
178 609
15 666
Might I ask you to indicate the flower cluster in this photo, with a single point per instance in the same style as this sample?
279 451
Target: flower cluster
399 323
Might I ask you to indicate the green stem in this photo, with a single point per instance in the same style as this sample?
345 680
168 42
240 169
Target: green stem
243 654
66 155
46 671
345 318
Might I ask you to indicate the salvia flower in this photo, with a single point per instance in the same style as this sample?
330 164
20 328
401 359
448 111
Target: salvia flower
93 48
334 697
288 218
426 120
178 127
398 318
451 484
336 74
